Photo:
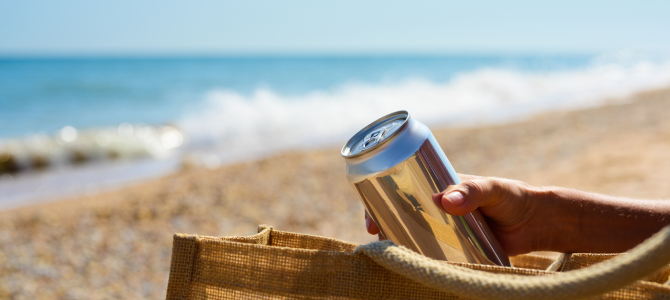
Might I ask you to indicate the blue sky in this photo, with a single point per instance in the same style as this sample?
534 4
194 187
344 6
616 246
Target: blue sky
123 27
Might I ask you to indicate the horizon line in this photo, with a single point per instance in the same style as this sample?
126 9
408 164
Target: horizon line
294 54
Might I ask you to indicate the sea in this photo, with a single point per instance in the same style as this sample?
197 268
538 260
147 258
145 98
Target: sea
81 125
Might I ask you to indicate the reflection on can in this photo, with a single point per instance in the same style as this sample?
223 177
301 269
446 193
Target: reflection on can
395 166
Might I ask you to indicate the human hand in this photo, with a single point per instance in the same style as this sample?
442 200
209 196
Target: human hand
508 206
525 218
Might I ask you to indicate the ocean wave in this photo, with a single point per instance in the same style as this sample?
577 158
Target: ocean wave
235 125
70 146
232 125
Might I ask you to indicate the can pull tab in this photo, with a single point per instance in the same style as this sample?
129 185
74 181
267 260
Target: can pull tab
373 138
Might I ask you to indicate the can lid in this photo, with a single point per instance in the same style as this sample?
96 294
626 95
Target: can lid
375 134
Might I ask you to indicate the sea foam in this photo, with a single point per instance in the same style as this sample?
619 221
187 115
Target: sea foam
234 125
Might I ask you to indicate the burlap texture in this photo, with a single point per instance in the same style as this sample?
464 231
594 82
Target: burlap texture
275 264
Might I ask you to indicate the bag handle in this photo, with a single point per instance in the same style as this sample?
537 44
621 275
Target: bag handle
642 261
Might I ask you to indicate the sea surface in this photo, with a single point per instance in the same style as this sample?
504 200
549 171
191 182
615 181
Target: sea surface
44 95
77 125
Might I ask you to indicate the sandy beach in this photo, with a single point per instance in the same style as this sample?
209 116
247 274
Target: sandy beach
118 244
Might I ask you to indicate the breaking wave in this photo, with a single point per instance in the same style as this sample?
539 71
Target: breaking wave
231 125
234 125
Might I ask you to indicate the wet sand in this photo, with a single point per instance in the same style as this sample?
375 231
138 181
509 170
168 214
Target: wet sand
118 244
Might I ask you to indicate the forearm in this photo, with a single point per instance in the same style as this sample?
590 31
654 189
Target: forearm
576 221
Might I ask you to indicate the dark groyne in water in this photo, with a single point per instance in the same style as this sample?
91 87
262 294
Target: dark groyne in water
70 146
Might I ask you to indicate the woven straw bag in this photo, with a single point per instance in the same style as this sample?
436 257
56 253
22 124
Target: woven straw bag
276 264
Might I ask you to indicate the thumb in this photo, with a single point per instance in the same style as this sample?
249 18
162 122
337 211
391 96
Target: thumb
466 197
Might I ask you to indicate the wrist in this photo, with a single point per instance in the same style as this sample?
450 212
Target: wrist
555 227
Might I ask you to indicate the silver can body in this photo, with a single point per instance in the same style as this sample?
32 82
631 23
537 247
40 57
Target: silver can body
396 165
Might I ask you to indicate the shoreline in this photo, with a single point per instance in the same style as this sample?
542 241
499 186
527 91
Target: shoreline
47 186
112 184
118 242
453 133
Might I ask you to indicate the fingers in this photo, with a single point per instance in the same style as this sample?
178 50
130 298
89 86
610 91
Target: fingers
466 197
371 225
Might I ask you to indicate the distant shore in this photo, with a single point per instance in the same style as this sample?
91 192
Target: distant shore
118 243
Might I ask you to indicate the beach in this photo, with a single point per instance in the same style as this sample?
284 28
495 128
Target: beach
117 244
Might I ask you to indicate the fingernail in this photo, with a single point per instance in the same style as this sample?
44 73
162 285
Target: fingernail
367 223
456 198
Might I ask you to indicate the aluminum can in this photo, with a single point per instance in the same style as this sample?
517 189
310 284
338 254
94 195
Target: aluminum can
396 165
